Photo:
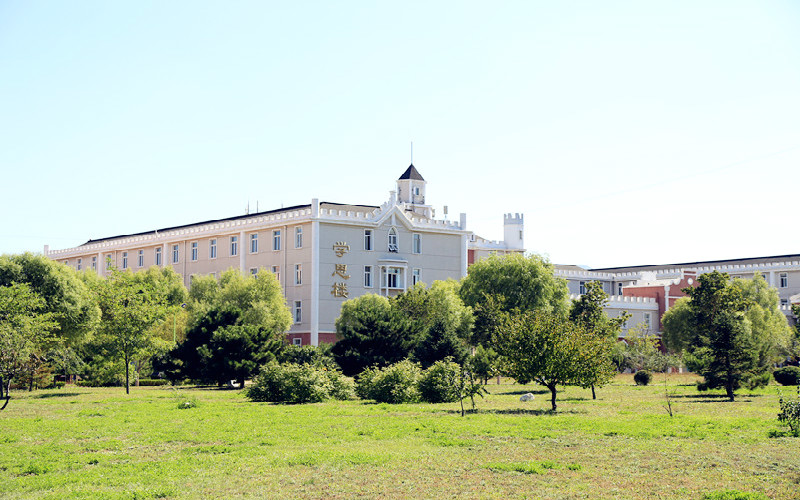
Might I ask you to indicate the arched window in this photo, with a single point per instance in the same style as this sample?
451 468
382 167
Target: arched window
393 240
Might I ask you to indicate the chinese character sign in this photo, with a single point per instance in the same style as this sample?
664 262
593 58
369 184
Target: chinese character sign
340 248
339 289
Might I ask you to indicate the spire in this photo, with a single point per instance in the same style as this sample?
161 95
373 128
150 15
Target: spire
411 173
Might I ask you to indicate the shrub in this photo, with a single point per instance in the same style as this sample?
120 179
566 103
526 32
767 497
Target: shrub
396 383
440 382
788 375
293 383
790 413
308 355
153 382
642 377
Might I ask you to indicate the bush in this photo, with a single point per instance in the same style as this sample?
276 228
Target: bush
642 377
790 413
440 383
293 383
153 382
396 383
308 355
788 375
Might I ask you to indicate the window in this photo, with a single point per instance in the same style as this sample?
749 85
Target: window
393 240
298 237
254 271
619 288
368 239
416 243
391 276
784 280
108 262
297 341
254 243
158 256
416 190
80 262
94 263
784 302
213 275
647 320
298 274
175 254
276 239
276 270
582 288
212 249
416 276
368 276
298 311
140 259
124 260
234 246
195 251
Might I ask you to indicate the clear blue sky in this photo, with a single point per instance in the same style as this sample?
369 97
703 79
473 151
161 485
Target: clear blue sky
626 132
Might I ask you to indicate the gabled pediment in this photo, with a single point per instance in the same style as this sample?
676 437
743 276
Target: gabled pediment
394 216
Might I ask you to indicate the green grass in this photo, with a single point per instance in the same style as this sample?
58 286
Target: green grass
100 443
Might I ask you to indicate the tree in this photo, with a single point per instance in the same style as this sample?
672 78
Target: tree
370 333
677 329
588 312
438 304
131 305
772 334
438 343
26 330
640 351
235 325
483 363
548 349
512 282
724 349
64 293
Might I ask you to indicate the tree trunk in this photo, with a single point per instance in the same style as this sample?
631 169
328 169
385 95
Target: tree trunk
241 382
1 387
127 376
594 396
552 388
7 387
728 378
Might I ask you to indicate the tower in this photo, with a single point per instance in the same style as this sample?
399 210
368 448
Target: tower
411 191
513 231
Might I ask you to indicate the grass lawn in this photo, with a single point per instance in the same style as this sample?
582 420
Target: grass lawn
100 443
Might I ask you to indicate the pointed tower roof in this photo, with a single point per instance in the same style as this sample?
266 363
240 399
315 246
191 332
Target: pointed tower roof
411 173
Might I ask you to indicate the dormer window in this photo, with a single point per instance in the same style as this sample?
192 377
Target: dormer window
393 240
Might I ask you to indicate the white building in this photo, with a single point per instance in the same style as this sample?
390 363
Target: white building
322 253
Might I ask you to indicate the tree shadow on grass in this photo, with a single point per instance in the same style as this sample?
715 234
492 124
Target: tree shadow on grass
55 395
522 391
711 398
517 411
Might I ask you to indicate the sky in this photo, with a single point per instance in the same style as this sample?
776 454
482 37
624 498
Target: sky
627 133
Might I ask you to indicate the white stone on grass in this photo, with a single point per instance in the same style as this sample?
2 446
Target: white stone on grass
527 397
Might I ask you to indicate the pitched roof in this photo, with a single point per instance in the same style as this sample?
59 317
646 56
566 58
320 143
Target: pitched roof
411 173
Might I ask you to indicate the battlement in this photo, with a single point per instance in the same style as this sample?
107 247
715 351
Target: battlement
510 218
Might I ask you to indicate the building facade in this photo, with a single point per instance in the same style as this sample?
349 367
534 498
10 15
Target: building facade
321 253
663 284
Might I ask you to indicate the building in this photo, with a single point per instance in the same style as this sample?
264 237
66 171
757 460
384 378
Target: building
322 253
655 288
